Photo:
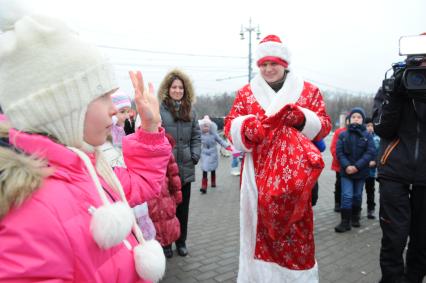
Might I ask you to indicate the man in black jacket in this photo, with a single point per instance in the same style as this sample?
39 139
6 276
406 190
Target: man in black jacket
400 121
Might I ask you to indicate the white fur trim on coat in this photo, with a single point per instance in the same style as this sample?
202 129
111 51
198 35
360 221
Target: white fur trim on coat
251 269
272 101
312 124
237 139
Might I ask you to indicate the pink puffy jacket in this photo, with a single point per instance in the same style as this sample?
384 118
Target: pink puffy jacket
48 239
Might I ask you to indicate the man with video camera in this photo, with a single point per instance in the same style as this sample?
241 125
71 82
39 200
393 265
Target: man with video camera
399 117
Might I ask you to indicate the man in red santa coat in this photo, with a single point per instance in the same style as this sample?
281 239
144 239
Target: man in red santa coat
274 120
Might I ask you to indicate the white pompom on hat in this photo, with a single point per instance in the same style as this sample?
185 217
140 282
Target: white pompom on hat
272 49
48 75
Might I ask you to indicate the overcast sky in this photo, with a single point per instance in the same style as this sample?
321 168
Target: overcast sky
336 44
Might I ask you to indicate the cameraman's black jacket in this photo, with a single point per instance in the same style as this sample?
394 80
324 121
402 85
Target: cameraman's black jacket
401 124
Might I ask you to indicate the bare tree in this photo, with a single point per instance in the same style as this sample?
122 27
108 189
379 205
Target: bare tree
217 105
337 103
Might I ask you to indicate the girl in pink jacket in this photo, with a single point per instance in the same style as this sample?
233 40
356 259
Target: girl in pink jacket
64 213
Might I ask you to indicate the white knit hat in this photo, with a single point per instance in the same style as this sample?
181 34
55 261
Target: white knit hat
48 75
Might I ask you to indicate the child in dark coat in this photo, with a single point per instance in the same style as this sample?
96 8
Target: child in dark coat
355 149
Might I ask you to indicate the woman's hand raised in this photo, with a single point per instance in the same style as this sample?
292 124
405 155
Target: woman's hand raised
146 103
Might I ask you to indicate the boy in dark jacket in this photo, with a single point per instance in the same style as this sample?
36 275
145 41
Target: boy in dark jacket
355 149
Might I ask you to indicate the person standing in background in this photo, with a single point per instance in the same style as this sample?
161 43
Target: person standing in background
371 179
123 103
209 153
177 96
162 210
355 149
335 165
112 149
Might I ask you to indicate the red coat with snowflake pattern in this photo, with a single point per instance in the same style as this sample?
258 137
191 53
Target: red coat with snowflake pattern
285 164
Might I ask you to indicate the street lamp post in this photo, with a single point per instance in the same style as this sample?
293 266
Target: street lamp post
249 29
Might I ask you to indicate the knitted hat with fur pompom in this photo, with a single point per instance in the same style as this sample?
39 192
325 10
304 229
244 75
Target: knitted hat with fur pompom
48 75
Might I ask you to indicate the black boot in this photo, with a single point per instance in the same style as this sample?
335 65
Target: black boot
345 224
168 251
370 214
213 180
356 215
336 207
181 249
402 279
204 185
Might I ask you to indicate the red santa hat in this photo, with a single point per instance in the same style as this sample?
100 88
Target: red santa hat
272 49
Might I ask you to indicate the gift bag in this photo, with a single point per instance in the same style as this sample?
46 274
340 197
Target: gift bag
144 221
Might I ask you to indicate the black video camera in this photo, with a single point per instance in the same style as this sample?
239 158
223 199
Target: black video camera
409 76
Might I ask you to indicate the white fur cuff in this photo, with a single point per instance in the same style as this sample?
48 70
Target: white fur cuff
312 124
236 133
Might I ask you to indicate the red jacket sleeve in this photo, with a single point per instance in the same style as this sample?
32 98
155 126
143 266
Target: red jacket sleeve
334 142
